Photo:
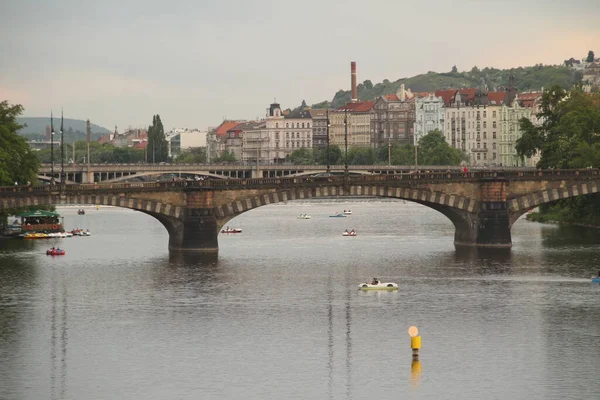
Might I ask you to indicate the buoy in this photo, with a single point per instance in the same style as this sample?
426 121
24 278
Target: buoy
415 341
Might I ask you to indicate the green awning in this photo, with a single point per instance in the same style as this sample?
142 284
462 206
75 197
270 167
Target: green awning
39 213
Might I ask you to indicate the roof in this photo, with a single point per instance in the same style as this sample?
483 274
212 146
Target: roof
105 138
528 99
364 106
318 112
496 98
222 129
140 145
39 213
299 114
391 97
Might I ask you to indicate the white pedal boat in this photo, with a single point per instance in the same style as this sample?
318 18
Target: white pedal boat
378 286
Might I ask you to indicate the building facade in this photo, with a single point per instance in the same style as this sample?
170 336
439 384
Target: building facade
351 123
510 132
319 130
393 119
429 115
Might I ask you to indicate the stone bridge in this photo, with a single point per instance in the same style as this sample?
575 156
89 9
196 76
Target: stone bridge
482 205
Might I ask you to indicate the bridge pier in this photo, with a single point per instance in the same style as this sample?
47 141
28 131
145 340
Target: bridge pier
489 228
195 232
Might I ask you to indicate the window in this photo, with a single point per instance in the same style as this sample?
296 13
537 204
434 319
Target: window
484 114
485 156
303 124
485 124
484 135
479 156
493 135
494 123
276 124
494 145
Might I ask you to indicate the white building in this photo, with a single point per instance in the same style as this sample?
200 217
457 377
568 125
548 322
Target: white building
429 115
510 131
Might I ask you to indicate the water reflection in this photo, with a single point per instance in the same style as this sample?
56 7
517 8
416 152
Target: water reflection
192 259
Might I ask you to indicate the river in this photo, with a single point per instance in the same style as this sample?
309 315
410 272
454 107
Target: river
278 315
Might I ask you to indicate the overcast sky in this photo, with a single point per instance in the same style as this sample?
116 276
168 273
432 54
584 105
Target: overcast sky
195 62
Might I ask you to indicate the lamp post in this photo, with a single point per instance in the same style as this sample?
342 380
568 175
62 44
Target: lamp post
328 125
62 151
389 151
346 140
51 149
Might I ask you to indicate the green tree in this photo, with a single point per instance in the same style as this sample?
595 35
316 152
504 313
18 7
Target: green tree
454 69
302 156
158 150
226 156
18 163
361 156
335 155
590 56
193 155
434 150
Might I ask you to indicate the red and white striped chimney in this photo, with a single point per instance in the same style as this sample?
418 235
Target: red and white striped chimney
353 81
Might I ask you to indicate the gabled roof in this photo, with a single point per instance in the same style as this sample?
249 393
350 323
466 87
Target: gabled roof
105 138
318 112
391 97
222 129
364 106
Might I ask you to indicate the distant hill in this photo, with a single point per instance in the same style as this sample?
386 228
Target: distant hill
526 78
74 129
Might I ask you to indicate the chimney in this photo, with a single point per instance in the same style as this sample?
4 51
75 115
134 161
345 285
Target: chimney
353 81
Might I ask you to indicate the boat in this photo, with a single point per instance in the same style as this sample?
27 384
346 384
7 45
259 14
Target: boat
81 212
55 252
81 232
376 284
351 233
35 235
347 212
40 221
304 216
337 215
231 230
596 279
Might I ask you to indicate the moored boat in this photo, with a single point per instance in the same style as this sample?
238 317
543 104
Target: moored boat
349 233
347 212
304 216
376 284
231 230
337 215
596 280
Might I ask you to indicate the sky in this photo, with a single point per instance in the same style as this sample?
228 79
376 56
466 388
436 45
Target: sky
197 62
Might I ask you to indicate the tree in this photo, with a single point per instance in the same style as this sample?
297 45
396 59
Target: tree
158 147
590 56
302 156
434 150
18 163
193 155
454 69
226 156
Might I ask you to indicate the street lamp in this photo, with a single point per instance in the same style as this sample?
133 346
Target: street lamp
328 125
62 150
346 140
51 148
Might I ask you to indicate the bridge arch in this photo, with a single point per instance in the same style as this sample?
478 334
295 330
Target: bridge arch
521 204
454 207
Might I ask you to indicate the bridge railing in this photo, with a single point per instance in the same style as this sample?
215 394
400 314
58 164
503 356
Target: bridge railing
417 177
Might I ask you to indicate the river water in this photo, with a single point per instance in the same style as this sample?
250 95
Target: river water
278 316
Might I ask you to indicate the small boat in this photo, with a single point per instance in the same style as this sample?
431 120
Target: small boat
81 232
231 230
81 212
337 215
304 216
55 252
351 233
347 212
35 235
375 284
596 279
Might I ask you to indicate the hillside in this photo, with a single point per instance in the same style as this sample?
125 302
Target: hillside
526 78
74 129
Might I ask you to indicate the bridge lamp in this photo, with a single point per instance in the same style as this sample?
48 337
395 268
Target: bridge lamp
328 125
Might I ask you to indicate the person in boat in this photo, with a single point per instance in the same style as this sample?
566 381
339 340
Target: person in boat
52 249
375 281
345 230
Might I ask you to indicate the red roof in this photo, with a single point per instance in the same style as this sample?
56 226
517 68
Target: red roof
105 138
391 97
224 127
446 95
496 98
357 107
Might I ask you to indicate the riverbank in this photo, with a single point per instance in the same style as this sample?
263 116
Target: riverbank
557 218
